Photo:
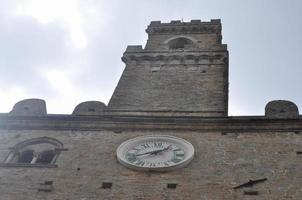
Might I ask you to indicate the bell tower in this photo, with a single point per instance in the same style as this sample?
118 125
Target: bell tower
182 71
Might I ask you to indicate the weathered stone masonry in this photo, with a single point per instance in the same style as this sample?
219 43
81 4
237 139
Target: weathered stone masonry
175 86
183 70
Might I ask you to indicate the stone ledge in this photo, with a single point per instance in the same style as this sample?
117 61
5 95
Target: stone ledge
3 165
108 121
176 57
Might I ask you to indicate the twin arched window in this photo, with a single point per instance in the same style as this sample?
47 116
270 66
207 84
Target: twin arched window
43 150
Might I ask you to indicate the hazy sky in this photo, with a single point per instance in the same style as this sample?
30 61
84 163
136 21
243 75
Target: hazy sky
68 51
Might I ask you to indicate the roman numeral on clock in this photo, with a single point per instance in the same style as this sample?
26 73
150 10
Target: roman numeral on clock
140 163
146 145
176 160
152 165
158 144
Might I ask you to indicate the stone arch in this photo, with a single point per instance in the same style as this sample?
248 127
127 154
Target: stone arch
38 140
180 42
42 150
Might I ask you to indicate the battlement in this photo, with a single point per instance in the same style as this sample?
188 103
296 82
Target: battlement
276 109
179 27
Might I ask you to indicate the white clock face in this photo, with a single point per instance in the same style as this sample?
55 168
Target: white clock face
158 153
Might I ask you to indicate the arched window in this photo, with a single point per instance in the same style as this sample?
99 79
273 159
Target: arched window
46 157
41 151
180 43
25 156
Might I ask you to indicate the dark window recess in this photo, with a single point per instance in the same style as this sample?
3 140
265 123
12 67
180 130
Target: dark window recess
106 185
46 157
48 182
24 153
117 131
299 152
78 169
180 43
91 109
26 156
251 193
172 185
47 186
224 133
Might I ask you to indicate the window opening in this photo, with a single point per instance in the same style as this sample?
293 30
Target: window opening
43 151
46 157
26 156
180 43
171 185
106 185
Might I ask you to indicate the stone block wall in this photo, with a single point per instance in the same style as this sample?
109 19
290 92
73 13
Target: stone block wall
223 160
190 79
195 89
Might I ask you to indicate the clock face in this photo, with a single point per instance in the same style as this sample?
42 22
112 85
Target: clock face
157 153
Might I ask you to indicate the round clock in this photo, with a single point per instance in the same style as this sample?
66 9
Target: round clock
155 153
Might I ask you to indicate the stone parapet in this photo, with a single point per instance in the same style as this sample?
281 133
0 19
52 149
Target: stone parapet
281 109
89 108
179 27
29 107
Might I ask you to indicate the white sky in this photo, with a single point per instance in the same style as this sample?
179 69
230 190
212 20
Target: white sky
68 51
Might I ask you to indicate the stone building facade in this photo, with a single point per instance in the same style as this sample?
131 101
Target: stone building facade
177 85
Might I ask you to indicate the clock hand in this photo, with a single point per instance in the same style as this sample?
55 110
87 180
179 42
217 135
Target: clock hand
168 147
161 150
155 151
149 152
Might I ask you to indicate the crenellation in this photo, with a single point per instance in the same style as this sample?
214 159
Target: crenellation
29 107
281 109
195 21
175 22
178 27
216 21
134 48
155 23
180 22
89 108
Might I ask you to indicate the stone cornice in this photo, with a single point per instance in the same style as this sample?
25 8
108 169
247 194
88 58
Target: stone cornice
111 122
181 57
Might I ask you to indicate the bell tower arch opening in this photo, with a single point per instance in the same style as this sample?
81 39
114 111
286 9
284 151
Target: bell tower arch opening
179 43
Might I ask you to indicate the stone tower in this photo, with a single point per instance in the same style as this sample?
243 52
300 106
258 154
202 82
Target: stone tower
183 70
161 107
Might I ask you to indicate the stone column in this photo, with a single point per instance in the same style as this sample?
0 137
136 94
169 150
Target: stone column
10 157
35 157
